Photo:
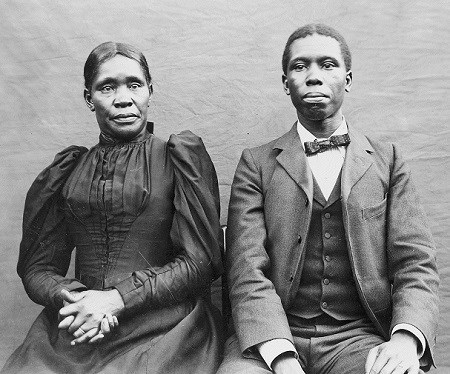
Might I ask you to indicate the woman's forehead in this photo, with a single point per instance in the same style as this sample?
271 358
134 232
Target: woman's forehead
119 66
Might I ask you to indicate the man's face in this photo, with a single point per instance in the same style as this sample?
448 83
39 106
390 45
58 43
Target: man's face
316 77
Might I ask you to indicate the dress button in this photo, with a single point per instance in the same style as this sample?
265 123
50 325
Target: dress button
324 305
327 215
327 258
327 235
326 281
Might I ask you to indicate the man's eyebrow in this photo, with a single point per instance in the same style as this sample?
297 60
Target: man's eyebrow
320 59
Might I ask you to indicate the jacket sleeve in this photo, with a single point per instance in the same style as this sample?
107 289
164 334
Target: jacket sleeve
46 248
195 233
258 314
412 258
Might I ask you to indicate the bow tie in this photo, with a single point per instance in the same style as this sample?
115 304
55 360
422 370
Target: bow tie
318 146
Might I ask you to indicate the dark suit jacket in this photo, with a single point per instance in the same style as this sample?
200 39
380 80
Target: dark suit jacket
391 250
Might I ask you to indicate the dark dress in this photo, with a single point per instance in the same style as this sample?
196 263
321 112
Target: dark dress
143 216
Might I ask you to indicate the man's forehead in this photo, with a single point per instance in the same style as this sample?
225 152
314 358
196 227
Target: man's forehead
315 46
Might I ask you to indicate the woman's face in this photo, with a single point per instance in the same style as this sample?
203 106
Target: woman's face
120 97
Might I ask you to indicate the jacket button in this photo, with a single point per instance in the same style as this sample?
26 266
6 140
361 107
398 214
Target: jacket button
291 278
324 305
299 238
306 202
326 281
327 215
327 235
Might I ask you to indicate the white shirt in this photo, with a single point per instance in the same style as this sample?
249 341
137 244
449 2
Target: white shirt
325 166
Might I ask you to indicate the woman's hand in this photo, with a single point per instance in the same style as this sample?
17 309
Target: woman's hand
89 315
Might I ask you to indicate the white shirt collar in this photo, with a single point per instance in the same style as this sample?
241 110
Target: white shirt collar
306 136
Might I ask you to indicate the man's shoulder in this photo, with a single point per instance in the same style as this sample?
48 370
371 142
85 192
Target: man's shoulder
381 144
270 148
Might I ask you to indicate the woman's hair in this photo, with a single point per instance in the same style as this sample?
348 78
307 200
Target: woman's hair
107 51
320 29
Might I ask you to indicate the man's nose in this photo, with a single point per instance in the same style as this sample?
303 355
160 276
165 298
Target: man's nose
123 97
314 76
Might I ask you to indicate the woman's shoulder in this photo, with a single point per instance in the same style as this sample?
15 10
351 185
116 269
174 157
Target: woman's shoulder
58 171
186 141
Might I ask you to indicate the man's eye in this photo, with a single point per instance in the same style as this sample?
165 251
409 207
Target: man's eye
106 89
135 86
328 65
299 67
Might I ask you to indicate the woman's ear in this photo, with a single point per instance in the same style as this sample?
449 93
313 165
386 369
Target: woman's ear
150 90
88 100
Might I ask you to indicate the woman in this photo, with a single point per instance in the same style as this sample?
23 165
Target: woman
143 216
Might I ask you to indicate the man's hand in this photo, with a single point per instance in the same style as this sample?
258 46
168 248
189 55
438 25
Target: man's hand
286 364
397 356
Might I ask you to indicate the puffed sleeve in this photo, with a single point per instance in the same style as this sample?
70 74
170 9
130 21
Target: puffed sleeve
45 248
195 233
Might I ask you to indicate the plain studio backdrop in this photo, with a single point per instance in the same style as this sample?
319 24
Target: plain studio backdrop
216 67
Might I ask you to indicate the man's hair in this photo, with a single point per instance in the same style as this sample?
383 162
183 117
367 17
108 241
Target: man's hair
107 51
320 29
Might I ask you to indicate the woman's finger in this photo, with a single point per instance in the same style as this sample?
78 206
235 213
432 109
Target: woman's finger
85 335
66 322
96 338
105 326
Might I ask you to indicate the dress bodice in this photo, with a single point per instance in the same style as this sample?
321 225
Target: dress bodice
117 218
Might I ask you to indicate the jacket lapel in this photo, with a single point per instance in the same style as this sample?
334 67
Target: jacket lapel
293 159
357 161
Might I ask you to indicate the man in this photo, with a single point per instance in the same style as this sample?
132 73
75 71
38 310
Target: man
331 266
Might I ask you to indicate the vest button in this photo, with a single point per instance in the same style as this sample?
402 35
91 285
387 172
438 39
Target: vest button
327 215
306 202
327 235
299 238
326 281
327 258
324 305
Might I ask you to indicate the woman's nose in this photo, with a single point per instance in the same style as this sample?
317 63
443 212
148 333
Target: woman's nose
123 97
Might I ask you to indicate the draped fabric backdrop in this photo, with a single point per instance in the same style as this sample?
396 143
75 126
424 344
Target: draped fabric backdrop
216 68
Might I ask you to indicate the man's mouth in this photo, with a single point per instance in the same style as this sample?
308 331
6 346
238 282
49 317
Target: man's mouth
315 97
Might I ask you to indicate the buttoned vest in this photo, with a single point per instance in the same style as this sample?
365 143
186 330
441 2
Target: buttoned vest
327 284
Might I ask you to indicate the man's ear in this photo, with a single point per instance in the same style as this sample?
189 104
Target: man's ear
88 100
348 81
285 84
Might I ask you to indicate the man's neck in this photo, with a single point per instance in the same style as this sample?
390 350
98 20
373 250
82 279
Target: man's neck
322 128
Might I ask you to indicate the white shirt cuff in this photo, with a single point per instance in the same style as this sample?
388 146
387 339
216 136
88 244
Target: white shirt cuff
416 332
271 349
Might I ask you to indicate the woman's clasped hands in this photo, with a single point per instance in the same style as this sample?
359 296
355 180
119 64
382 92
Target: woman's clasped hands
89 315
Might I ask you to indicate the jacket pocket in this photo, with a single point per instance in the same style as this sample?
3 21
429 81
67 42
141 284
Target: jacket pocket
374 210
